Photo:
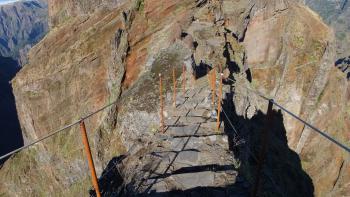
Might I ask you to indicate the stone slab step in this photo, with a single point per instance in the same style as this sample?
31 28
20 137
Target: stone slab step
188 105
204 142
190 160
171 121
190 180
172 132
190 120
177 112
211 126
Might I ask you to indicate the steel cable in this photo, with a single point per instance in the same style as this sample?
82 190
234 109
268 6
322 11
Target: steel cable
57 131
323 133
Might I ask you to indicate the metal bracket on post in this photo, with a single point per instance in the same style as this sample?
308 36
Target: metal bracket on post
263 149
89 157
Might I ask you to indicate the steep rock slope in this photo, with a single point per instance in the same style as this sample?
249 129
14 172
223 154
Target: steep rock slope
92 57
336 13
291 61
29 18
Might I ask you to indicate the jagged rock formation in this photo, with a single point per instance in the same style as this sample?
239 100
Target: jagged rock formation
23 24
92 57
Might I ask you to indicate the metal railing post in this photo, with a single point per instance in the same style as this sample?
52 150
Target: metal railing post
219 103
183 79
89 157
174 91
213 81
263 149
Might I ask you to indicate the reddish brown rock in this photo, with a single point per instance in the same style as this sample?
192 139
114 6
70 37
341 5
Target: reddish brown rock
116 51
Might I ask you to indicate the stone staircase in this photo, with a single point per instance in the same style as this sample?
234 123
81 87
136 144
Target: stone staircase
191 157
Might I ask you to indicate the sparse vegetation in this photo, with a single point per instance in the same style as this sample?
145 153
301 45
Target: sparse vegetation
322 93
299 41
140 5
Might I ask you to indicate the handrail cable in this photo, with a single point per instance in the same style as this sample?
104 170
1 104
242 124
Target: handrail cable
323 133
57 131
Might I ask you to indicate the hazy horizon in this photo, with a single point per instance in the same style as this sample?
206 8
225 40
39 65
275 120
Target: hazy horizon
3 2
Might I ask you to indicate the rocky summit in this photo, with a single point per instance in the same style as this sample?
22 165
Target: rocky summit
98 52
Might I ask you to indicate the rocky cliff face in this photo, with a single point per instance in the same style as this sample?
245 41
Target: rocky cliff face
292 60
23 24
92 57
335 13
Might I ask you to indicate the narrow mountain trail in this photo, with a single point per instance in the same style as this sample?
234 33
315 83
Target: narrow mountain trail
191 156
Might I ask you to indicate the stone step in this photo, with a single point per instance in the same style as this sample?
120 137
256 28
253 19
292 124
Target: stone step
198 141
176 168
177 112
186 130
199 113
171 120
171 161
211 126
189 93
204 93
188 181
188 105
186 120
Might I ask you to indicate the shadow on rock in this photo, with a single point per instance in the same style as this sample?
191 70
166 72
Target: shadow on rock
10 134
282 172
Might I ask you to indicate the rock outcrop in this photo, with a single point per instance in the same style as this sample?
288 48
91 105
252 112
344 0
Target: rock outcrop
23 24
344 65
94 56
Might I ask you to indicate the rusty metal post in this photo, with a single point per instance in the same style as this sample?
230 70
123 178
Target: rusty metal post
174 90
219 103
213 79
263 149
183 79
89 157
161 113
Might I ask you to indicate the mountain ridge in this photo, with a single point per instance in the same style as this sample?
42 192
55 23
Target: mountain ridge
115 52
